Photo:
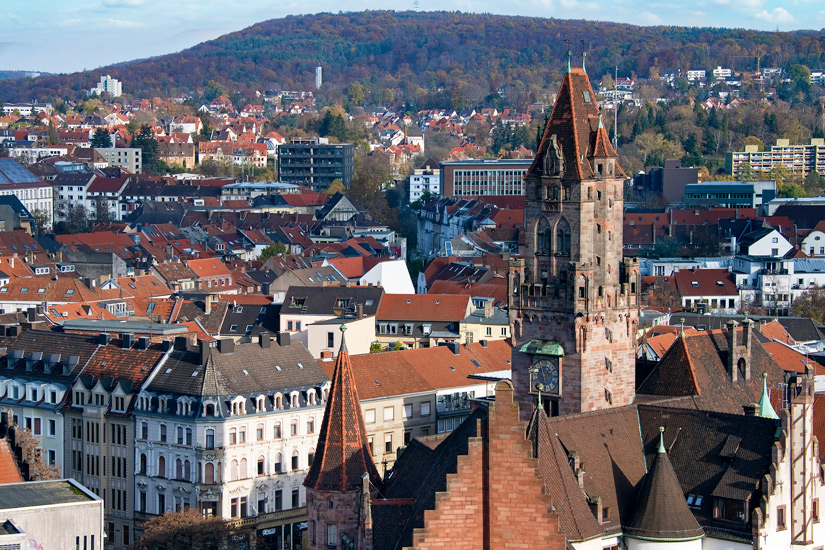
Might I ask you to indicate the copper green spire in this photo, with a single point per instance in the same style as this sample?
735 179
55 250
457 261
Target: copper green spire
662 439
569 70
765 408
601 125
584 54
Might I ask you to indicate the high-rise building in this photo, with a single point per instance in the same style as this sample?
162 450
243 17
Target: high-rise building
574 299
799 159
108 85
319 77
316 165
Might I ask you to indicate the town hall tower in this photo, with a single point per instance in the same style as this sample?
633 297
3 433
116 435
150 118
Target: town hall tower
573 298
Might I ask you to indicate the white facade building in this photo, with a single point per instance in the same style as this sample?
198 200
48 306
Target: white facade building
108 85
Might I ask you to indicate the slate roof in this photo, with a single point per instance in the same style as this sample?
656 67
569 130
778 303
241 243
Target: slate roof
324 300
224 375
343 452
56 351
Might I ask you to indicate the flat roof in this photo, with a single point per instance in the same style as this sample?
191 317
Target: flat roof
488 162
43 493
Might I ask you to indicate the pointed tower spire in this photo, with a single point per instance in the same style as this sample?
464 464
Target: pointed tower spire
661 513
569 55
765 407
584 56
343 453
682 331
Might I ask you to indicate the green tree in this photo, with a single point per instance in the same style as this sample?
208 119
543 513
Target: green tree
274 249
355 94
132 126
372 173
101 139
334 125
54 137
145 140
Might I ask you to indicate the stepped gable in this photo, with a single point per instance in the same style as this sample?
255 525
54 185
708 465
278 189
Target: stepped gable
577 128
661 511
343 455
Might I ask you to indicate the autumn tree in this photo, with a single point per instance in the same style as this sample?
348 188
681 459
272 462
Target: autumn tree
186 530
41 220
335 187
372 173
810 303
32 455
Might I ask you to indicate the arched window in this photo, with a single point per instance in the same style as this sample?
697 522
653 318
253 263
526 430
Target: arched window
209 473
276 431
142 469
279 402
278 465
295 458
233 471
210 438
242 435
261 465
161 466
243 473
178 469
233 436
210 410
259 431
542 237
187 470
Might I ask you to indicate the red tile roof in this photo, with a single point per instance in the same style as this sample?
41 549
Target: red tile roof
8 466
791 360
705 282
425 307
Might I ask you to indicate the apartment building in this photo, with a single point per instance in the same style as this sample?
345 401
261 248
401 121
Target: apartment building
799 159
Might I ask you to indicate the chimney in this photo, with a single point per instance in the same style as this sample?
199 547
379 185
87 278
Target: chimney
127 340
180 343
265 287
143 343
166 345
226 346
284 339
483 343
203 347
455 347
31 314
103 339
13 330
264 340
207 304
488 308
733 359
747 335
752 409
359 310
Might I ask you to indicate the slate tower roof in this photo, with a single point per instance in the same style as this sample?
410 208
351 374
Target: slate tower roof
343 454
661 512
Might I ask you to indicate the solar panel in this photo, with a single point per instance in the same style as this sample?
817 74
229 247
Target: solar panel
15 172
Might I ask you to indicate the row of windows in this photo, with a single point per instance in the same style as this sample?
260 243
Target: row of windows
424 409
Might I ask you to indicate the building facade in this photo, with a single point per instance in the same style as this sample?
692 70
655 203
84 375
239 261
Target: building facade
472 178
314 164
574 299
130 158
799 159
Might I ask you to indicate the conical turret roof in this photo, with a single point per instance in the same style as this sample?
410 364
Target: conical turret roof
661 512
343 454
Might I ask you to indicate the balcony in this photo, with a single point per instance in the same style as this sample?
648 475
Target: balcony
284 516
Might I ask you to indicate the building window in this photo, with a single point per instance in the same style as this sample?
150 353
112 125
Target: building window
311 426
369 416
294 460
815 511
332 535
425 408
259 432
330 339
279 500
387 443
276 431
233 436
293 428
780 518
260 466
295 498
389 413
408 410
210 438
163 433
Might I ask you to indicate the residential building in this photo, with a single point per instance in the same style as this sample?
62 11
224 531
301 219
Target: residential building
108 85
799 159
231 430
707 290
305 305
212 275
573 298
473 178
421 320
129 158
487 322
426 179
316 165
35 194
324 338
668 182
814 242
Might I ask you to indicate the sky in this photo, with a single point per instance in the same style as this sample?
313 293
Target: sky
63 36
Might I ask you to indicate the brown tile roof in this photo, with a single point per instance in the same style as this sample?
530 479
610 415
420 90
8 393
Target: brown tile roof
696 367
343 454
208 267
143 286
63 289
705 282
424 307
791 360
773 330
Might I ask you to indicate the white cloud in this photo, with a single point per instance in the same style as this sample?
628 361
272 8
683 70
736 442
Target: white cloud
120 23
123 3
649 18
778 15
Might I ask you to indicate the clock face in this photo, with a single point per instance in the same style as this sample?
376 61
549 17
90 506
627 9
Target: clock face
546 376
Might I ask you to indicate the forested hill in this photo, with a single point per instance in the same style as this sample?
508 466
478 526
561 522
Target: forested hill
424 58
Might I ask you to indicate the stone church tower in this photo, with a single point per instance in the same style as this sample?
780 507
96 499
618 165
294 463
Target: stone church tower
341 476
573 298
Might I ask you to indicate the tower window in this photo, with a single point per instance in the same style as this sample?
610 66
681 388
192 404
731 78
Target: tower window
608 396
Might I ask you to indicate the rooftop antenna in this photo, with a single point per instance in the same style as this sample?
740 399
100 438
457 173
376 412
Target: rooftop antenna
584 55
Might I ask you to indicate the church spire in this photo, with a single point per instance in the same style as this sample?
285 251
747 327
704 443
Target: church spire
343 454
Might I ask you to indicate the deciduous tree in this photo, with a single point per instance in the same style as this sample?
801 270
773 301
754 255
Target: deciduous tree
187 530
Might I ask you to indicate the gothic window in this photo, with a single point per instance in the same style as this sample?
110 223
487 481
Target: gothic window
563 237
553 160
543 233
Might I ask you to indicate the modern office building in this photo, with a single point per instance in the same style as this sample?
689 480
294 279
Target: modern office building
731 194
800 159
129 158
472 178
316 165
